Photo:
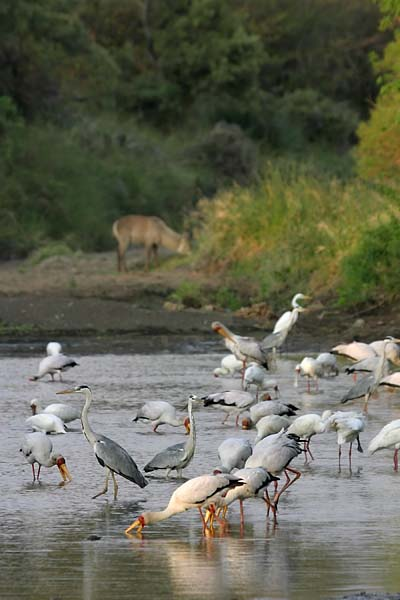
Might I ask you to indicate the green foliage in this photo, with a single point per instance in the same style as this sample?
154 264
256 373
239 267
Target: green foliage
49 250
189 294
370 272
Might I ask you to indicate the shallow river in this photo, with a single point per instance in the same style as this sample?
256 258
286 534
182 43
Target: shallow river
338 532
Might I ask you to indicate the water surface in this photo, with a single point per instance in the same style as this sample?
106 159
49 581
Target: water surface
338 532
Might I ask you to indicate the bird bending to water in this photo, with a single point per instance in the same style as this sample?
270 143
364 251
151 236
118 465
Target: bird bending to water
269 425
37 448
246 349
257 375
306 426
388 437
46 423
200 492
268 407
178 456
55 362
65 412
310 368
233 402
233 453
229 366
109 454
159 412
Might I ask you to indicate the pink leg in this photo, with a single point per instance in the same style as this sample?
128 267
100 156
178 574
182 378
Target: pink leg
270 505
396 460
202 518
308 385
241 513
38 473
33 471
288 483
308 449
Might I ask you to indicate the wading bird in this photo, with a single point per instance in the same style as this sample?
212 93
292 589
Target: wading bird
284 324
246 349
65 412
309 425
267 406
109 454
368 385
232 402
229 366
310 368
178 456
274 454
55 362
37 448
388 437
269 425
159 412
257 375
205 491
46 423
233 453
348 426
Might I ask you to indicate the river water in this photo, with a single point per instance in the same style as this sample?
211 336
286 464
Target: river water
338 531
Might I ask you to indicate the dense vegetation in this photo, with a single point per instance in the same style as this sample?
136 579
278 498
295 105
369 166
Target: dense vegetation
270 127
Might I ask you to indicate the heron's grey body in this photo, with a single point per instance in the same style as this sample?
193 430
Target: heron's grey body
178 456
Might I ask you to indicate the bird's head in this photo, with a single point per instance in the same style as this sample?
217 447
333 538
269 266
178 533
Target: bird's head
186 424
34 406
79 389
265 397
295 301
62 467
138 524
221 329
246 423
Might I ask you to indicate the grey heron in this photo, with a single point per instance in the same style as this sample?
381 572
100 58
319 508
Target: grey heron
200 492
108 453
178 456
38 449
388 437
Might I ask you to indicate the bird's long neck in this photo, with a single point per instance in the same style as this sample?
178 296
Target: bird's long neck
161 515
87 430
380 367
190 444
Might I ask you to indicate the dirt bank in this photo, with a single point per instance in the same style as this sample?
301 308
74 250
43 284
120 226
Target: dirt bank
84 296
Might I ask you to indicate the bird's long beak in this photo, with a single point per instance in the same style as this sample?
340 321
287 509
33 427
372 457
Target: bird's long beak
66 392
135 524
65 474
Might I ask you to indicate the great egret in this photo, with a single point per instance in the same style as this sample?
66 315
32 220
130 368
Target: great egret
38 449
284 324
109 454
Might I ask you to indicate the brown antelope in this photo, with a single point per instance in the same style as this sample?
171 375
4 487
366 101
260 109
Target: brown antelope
150 232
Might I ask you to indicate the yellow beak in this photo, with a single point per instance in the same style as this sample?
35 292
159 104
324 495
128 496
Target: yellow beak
65 474
135 524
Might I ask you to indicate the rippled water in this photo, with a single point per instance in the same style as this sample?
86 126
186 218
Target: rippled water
338 532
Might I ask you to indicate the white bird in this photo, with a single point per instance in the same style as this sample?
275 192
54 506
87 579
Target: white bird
348 426
269 425
256 480
38 449
391 350
267 406
246 349
108 453
203 491
354 350
46 423
392 380
329 364
53 348
52 364
232 402
159 412
229 366
284 324
257 375
178 456
306 426
274 454
310 368
233 453
388 437
65 412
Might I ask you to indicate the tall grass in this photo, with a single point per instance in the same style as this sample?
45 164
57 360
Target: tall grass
293 231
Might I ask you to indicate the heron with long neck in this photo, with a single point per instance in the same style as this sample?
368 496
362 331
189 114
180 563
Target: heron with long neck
109 454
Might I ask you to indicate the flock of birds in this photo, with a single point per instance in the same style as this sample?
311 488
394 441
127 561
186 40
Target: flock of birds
245 470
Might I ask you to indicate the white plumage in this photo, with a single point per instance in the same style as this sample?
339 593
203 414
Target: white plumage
348 426
55 362
65 412
46 423
306 426
38 449
388 437
229 366
232 402
159 412
233 453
